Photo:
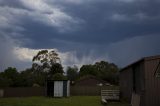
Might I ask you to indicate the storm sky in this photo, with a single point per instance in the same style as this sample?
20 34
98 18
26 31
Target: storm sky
81 31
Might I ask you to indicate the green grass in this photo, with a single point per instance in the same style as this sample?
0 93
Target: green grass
44 101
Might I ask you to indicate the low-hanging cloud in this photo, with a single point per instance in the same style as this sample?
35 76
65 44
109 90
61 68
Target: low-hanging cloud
68 58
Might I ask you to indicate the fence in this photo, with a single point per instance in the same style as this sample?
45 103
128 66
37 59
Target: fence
23 91
85 90
110 94
41 91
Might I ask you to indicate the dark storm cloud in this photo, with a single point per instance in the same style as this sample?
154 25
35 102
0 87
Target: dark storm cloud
104 22
91 28
111 21
11 3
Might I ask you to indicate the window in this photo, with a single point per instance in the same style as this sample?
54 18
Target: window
157 73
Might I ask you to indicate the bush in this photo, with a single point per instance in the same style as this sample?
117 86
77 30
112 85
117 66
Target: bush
58 76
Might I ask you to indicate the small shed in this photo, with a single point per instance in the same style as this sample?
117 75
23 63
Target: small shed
140 82
58 88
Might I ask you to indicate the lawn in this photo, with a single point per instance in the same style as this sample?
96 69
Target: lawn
43 101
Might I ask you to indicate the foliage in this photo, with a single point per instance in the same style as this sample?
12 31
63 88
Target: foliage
88 70
56 68
58 76
72 73
47 61
26 78
4 82
44 56
104 70
37 75
107 71
45 65
10 77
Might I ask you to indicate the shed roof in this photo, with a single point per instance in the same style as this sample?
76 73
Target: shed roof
57 80
141 60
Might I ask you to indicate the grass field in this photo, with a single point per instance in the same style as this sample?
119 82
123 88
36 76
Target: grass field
43 101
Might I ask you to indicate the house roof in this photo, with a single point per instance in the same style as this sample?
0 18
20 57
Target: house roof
90 77
57 80
141 60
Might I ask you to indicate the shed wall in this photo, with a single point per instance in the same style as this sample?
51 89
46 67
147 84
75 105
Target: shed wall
126 84
152 84
132 80
58 88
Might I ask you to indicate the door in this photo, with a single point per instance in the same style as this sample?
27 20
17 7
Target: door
137 79
50 88
58 88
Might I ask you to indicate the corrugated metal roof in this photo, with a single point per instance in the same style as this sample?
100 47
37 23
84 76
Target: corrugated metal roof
141 60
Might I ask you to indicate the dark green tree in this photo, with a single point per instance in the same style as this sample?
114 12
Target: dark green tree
104 70
10 77
72 73
27 78
4 82
87 70
58 76
56 68
107 71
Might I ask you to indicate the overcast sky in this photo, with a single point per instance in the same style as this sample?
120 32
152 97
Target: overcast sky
81 31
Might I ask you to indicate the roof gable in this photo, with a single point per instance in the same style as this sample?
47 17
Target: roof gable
157 71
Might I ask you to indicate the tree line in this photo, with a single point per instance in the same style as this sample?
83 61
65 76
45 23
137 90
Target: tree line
47 66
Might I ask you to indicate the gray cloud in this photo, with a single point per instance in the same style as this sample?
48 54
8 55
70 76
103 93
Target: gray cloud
130 50
8 57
